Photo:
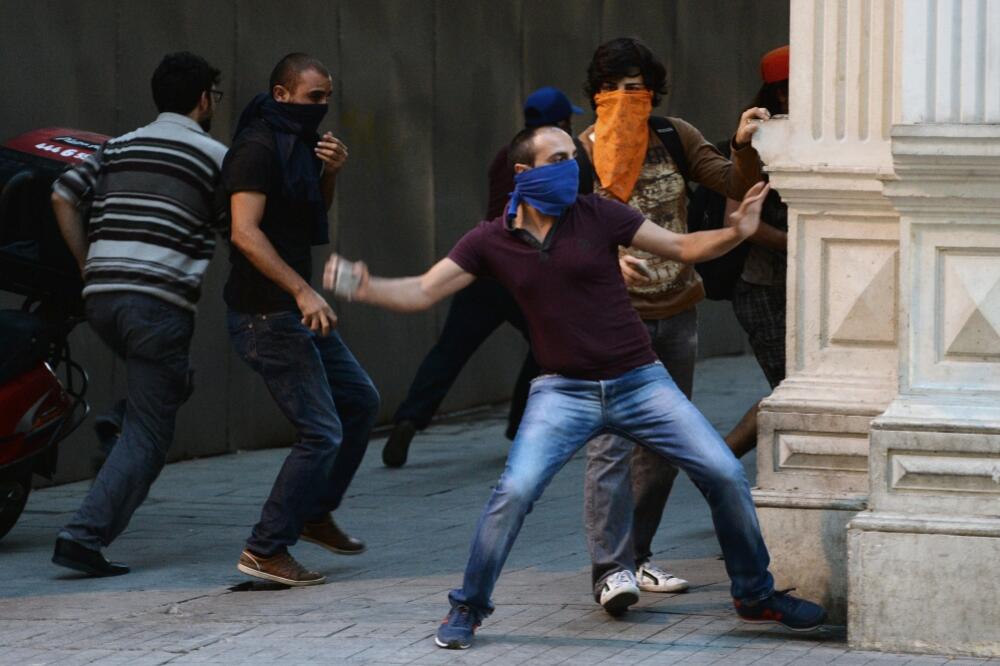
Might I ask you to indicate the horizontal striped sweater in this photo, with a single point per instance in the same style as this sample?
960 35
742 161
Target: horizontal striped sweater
153 205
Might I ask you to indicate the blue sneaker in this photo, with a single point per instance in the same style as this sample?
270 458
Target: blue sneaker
784 609
457 629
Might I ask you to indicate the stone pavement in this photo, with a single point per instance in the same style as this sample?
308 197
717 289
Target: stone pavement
185 603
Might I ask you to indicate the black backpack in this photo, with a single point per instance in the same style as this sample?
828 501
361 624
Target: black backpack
706 210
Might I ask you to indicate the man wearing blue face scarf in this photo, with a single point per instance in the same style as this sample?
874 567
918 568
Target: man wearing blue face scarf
476 312
280 175
557 253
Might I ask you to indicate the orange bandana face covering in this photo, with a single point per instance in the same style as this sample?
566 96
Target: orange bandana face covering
621 139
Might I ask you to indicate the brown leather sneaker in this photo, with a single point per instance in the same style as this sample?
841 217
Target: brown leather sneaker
282 568
329 536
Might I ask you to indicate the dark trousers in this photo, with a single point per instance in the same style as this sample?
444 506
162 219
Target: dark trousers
617 543
760 310
322 389
475 312
154 338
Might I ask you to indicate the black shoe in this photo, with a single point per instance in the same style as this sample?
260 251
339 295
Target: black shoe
398 444
72 555
784 609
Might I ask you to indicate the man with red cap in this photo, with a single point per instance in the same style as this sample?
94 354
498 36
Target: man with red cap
759 292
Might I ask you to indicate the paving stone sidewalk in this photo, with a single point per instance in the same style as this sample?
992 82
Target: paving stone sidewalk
185 603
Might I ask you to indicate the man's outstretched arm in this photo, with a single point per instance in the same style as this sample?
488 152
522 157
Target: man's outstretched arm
408 294
701 246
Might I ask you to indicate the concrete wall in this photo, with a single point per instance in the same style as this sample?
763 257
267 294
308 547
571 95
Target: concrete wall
426 91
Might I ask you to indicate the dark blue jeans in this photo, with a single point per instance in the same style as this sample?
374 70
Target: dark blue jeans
646 406
322 389
474 313
153 336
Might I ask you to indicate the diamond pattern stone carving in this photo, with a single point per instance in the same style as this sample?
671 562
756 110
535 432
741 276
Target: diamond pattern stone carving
972 304
861 292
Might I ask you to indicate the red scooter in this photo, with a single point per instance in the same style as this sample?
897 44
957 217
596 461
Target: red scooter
37 410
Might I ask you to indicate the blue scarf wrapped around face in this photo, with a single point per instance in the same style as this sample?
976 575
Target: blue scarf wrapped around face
550 189
295 134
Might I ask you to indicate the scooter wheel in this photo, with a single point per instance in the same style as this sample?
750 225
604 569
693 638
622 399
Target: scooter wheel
15 486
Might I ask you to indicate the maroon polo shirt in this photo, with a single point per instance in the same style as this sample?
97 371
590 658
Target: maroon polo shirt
580 319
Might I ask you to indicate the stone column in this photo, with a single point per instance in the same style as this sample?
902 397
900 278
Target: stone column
925 558
828 160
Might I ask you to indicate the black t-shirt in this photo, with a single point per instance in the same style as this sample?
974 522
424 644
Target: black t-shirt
252 165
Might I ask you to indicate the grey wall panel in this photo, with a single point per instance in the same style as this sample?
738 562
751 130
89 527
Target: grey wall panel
477 108
654 23
559 38
716 59
386 192
148 30
59 65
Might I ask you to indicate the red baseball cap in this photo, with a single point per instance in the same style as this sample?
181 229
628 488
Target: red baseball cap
774 65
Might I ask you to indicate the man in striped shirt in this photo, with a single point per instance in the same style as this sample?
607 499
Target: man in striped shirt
149 235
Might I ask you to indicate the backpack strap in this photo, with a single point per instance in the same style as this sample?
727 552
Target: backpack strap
672 142
586 168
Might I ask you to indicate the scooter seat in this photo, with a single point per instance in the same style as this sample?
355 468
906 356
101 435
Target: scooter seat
24 341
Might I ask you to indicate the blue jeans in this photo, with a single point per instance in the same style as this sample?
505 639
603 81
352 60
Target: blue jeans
645 405
619 537
153 336
322 389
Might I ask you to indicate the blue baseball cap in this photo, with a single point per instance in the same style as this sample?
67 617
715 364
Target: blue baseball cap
547 106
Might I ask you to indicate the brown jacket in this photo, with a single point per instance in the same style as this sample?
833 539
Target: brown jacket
659 195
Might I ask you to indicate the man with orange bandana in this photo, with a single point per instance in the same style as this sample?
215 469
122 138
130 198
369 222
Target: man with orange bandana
633 165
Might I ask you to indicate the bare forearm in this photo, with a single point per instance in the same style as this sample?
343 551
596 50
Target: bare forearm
705 245
256 247
398 294
71 228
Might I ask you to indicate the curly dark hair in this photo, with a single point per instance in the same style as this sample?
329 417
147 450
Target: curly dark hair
621 57
180 79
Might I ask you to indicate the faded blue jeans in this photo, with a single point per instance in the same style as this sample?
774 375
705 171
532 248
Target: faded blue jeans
644 405
153 336
322 389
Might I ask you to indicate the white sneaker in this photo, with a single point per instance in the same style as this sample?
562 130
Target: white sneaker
619 592
652 578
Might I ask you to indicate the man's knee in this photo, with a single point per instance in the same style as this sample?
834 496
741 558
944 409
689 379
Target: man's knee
520 491
727 471
369 400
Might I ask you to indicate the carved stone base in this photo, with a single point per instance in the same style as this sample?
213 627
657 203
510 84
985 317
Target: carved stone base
924 584
812 479
924 563
806 536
